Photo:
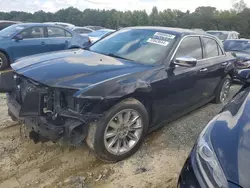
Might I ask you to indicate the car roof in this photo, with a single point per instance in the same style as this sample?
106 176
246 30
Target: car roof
38 24
108 30
79 27
9 21
223 31
176 31
243 40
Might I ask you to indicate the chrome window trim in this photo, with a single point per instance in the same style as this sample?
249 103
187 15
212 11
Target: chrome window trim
174 53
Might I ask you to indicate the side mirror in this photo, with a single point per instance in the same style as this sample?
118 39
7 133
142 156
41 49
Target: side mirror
185 61
18 37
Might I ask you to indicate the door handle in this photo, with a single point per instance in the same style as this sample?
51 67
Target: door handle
224 64
66 41
203 70
43 43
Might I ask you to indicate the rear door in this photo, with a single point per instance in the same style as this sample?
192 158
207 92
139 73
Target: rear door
212 69
59 38
33 43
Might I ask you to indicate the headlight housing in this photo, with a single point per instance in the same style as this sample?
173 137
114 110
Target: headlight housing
207 161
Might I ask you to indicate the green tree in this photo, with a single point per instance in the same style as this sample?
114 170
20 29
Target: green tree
239 6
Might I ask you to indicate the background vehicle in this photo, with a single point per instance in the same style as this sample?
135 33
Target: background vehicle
241 48
62 24
21 40
99 34
198 30
123 87
224 35
6 23
220 157
94 27
82 30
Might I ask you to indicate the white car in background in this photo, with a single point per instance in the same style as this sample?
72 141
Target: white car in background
224 35
99 34
62 24
82 30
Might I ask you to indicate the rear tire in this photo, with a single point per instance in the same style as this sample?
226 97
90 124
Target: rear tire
121 131
4 62
222 94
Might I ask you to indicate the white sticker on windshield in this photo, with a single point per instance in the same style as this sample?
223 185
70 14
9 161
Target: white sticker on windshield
157 41
164 36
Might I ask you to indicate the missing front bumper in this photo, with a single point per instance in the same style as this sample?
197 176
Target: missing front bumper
72 132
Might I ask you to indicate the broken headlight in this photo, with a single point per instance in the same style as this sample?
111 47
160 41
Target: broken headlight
207 161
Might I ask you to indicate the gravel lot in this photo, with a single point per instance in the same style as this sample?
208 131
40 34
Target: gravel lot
157 164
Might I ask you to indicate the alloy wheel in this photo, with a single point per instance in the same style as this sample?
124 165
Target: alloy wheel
123 132
225 91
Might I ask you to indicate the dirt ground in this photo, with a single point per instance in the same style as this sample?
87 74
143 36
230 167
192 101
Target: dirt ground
157 164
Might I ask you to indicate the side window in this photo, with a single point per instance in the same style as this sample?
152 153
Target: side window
190 47
33 32
68 34
211 47
56 32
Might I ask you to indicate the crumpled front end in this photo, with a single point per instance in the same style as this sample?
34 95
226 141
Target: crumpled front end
49 113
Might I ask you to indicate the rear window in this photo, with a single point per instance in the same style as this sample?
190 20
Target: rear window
56 32
211 47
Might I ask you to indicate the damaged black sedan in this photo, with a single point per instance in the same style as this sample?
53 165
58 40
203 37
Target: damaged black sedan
118 90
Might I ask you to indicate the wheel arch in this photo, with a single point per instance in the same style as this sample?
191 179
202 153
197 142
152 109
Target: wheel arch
143 97
6 54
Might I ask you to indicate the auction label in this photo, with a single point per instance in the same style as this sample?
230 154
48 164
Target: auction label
158 41
164 36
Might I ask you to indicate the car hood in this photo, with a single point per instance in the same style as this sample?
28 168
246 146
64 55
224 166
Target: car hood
74 69
230 137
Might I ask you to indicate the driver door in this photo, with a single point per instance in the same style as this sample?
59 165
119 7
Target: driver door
180 90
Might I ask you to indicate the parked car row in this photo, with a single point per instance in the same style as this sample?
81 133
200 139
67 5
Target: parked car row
22 40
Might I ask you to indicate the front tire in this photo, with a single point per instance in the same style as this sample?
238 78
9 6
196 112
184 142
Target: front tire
4 63
222 94
120 133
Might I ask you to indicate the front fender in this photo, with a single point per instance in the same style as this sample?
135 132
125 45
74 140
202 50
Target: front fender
114 89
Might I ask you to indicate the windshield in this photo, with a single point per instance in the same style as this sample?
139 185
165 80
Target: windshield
11 30
98 33
139 45
234 45
220 35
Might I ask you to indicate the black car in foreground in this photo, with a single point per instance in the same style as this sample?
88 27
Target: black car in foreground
241 49
119 89
221 155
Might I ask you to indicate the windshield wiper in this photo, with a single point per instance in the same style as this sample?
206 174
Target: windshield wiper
116 56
